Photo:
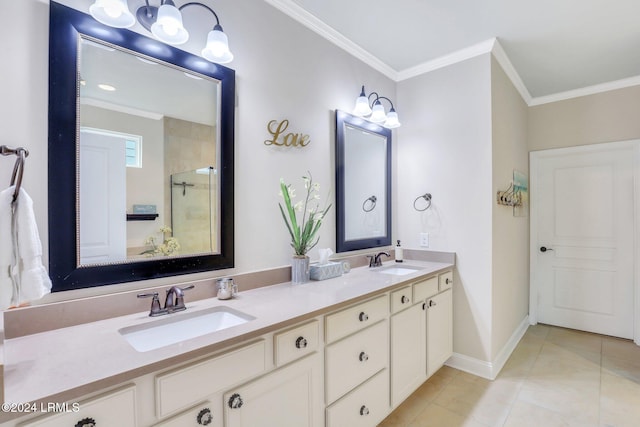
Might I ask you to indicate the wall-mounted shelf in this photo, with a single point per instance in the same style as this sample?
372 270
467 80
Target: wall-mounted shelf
142 217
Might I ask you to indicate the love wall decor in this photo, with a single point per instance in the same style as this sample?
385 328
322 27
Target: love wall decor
281 139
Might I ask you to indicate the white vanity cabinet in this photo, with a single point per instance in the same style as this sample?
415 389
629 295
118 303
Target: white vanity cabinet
115 408
288 397
356 365
408 351
439 330
421 335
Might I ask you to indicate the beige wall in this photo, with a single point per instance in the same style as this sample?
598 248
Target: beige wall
604 117
444 148
510 235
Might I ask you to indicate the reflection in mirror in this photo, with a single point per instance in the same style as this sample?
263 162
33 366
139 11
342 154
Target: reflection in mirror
363 183
140 156
137 146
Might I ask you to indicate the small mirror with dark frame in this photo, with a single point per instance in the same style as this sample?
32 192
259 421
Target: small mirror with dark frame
363 183
151 150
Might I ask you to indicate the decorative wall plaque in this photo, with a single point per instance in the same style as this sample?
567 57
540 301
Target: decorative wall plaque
279 138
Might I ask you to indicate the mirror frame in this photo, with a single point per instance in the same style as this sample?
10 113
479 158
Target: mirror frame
343 245
65 26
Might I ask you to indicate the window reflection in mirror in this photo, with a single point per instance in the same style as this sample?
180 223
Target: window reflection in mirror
148 158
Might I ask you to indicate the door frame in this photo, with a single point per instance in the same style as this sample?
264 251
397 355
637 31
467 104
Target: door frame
534 159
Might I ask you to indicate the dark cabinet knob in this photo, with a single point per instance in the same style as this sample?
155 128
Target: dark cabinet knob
301 342
404 300
205 417
544 249
424 305
432 303
363 316
364 410
235 401
447 281
86 422
363 357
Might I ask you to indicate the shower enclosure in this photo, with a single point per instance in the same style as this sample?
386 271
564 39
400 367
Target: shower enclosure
193 210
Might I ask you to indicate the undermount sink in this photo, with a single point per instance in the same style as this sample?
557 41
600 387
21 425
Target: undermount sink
399 270
178 327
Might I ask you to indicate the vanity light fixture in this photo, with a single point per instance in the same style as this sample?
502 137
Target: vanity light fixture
165 23
375 111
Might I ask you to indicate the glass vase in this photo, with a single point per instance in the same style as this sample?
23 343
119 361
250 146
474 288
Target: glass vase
299 269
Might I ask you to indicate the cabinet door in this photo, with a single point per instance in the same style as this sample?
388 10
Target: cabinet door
408 352
288 397
439 330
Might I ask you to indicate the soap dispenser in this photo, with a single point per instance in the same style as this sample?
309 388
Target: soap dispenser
399 253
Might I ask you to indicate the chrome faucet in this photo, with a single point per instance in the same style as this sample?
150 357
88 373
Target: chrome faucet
375 261
174 301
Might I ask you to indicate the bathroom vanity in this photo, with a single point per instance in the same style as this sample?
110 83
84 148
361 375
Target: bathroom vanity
344 351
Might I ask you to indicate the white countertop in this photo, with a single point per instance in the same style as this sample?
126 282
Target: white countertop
62 363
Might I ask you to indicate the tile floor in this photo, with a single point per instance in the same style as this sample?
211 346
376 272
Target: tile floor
555 377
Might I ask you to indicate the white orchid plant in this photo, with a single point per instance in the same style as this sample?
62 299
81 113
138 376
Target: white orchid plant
303 230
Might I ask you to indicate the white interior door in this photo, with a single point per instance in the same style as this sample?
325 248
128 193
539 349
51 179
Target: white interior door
103 227
582 239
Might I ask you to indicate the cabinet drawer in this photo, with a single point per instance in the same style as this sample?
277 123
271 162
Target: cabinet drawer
183 387
117 408
355 359
445 280
425 288
296 343
350 320
366 406
200 415
401 299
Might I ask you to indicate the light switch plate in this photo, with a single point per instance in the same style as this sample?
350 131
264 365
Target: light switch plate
424 240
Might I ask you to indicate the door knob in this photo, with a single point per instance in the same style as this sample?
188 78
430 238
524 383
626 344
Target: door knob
544 249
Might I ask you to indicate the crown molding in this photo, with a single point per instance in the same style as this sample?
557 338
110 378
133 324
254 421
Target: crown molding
293 10
501 56
589 90
449 59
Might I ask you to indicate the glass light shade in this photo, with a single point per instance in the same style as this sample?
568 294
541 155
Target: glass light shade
217 48
362 106
377 113
114 13
392 120
168 27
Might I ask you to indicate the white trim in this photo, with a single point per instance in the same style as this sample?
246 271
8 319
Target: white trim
121 108
490 370
504 61
295 11
449 59
589 90
534 156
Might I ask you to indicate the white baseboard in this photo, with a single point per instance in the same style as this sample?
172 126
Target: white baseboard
489 370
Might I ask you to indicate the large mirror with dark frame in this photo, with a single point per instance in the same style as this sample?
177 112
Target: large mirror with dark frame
363 183
140 156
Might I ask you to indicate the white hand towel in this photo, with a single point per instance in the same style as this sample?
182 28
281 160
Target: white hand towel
34 280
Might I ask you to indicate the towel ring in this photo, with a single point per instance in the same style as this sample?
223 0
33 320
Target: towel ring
427 198
18 167
372 203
